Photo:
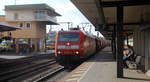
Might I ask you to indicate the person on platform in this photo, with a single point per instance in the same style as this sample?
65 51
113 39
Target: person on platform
128 55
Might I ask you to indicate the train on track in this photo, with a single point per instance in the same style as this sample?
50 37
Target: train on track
73 46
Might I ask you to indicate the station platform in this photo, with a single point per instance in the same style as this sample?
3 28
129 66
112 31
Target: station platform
11 57
22 55
103 68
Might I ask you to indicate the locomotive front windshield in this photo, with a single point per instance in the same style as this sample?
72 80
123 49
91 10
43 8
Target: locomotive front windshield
68 37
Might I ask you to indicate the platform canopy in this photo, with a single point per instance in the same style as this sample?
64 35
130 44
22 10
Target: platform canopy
103 13
4 27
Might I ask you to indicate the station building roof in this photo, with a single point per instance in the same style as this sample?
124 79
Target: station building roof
31 7
4 27
100 12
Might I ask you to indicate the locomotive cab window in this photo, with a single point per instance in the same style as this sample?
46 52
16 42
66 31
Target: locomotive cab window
71 37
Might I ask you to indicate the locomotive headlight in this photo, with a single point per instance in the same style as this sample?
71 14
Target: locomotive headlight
77 52
59 52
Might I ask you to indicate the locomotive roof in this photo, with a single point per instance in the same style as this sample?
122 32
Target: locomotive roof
86 33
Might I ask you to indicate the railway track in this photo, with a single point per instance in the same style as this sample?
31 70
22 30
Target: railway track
8 65
29 71
23 70
43 77
12 62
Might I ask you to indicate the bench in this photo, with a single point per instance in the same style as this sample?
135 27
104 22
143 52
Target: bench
134 64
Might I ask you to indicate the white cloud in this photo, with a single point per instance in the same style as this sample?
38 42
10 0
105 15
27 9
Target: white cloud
64 7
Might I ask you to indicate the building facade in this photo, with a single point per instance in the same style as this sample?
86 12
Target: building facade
32 20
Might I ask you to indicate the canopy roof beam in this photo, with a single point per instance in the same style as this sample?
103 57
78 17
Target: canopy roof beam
124 3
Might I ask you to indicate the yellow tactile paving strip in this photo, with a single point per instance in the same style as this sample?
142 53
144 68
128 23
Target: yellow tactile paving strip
77 74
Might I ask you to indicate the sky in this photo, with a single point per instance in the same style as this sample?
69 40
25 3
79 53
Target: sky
69 13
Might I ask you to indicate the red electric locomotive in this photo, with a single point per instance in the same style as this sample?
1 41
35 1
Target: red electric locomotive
73 46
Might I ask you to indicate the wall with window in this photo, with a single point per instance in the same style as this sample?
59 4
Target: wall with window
25 24
21 15
40 14
29 15
24 31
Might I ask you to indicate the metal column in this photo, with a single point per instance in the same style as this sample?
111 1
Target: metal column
127 39
120 42
114 42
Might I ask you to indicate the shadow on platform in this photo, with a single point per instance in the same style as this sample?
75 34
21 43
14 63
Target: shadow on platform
133 78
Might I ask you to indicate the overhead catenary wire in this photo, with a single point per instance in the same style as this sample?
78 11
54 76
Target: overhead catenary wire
82 17
66 4
75 12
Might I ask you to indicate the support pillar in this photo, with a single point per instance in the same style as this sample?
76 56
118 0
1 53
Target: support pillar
114 42
45 44
35 45
120 41
17 45
127 39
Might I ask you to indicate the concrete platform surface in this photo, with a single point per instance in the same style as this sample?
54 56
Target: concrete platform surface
22 55
102 68
11 57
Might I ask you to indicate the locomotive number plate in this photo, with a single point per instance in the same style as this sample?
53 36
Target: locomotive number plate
68 47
